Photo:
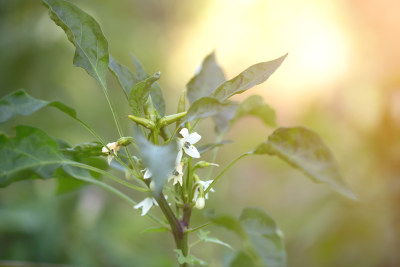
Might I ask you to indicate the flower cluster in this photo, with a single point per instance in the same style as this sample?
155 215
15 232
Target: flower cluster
185 146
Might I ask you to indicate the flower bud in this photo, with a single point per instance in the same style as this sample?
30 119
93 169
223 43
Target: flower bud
200 202
152 185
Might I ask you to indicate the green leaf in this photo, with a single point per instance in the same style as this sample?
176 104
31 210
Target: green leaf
223 118
255 106
84 150
206 107
125 77
228 222
206 81
155 90
31 154
203 236
241 259
189 259
140 93
85 34
250 77
159 159
20 103
305 150
265 237
261 238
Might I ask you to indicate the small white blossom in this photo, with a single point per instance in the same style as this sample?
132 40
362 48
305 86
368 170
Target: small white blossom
146 205
205 185
186 143
177 174
147 173
114 147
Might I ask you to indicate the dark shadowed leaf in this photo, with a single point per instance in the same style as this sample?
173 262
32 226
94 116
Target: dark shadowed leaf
207 80
155 90
125 77
255 106
206 107
85 34
20 103
250 77
265 237
140 93
30 154
305 150
159 159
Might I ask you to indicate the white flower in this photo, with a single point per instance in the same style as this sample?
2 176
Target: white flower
114 147
146 205
177 174
205 185
186 143
147 173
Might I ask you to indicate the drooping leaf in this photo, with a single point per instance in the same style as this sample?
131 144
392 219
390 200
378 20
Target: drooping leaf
189 259
305 150
206 81
203 236
255 106
20 103
140 93
85 34
155 90
250 77
206 107
241 259
207 147
265 237
159 159
125 77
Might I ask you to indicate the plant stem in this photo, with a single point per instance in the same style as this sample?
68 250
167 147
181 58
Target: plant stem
224 171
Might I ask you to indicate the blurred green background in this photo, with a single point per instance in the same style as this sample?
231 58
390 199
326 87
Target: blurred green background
341 79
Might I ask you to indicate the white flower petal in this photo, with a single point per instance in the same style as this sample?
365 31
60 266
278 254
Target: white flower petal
146 205
184 132
147 173
192 151
193 138
179 157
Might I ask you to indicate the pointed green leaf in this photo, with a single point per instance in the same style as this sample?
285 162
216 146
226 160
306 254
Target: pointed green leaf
250 77
203 236
155 90
305 150
265 237
223 118
125 77
206 81
20 103
140 93
159 159
84 150
85 34
255 106
207 107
